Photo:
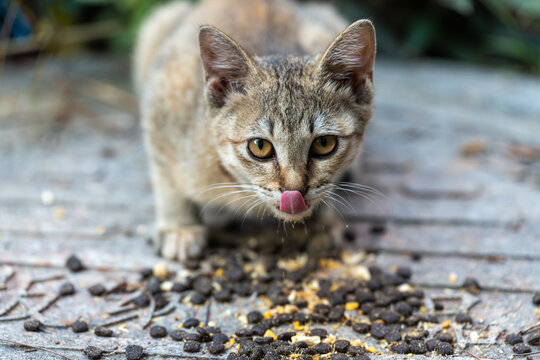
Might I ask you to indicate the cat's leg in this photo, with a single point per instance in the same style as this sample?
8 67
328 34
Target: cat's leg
179 232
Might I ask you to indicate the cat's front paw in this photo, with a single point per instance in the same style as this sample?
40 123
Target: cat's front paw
182 243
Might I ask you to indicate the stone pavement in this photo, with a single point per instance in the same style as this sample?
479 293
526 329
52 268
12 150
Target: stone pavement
455 150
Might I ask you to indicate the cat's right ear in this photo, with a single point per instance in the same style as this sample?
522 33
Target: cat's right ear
226 64
350 58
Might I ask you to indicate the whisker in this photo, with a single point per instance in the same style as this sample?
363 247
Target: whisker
224 195
335 208
379 206
231 186
362 187
233 200
257 202
331 195
244 203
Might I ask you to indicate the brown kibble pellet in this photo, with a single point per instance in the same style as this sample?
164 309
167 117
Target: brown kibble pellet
32 325
74 264
93 352
192 346
79 326
134 352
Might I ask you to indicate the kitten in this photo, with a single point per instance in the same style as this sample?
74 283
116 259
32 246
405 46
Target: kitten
263 123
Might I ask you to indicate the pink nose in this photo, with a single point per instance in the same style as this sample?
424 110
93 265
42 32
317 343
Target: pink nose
292 202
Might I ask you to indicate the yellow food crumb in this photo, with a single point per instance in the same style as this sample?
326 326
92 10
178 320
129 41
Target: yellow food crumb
446 324
351 306
267 315
329 263
452 278
298 327
59 212
270 333
371 349
160 270
219 272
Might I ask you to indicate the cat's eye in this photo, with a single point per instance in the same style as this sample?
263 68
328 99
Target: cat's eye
260 148
323 145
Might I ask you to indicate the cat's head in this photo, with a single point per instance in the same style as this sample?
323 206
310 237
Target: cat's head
287 127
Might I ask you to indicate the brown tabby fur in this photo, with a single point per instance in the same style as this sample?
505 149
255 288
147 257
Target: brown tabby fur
203 96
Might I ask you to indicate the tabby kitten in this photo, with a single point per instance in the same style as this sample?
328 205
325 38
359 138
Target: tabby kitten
262 124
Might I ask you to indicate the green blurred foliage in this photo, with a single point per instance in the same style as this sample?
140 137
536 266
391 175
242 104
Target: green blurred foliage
495 32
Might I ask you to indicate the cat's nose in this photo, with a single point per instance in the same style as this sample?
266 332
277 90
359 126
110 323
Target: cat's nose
292 202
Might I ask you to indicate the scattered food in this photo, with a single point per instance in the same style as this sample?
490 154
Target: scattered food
97 290
67 289
79 326
93 352
191 346
534 338
536 299
463 318
513 339
32 325
134 352
471 285
214 347
102 331
158 331
74 264
445 348
191 323
521 348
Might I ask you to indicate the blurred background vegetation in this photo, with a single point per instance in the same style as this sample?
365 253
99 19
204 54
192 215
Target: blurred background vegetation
503 33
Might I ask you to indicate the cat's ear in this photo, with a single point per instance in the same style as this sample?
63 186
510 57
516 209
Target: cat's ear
350 58
226 64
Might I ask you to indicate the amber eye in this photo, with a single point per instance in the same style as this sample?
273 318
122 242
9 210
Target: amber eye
260 148
323 145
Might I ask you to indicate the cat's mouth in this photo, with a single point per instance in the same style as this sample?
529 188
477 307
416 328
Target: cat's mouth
292 206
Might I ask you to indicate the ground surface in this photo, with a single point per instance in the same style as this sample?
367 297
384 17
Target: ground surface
456 151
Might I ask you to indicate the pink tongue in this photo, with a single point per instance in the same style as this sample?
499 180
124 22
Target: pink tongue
292 202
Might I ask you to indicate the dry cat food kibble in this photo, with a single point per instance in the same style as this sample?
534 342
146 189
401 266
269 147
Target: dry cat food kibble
191 346
521 348
191 323
79 326
97 290
513 338
536 299
32 325
102 331
67 289
93 352
74 264
302 302
533 338
134 352
158 331
178 334
215 347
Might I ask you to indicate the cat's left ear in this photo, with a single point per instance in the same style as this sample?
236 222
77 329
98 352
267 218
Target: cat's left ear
226 64
349 60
